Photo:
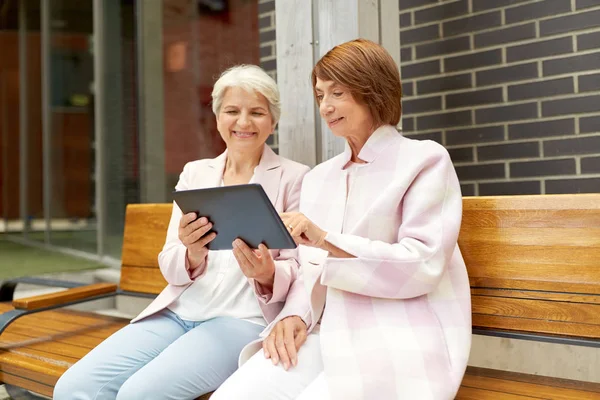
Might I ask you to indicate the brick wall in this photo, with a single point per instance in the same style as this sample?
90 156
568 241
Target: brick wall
268 55
197 47
510 87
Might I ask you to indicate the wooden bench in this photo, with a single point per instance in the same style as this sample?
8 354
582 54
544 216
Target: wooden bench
534 266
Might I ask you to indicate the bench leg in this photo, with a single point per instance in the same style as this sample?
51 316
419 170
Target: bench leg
16 393
7 291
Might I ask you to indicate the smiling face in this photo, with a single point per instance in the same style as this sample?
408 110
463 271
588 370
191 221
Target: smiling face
244 120
345 116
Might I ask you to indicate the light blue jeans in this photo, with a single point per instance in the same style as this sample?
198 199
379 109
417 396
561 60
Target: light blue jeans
160 357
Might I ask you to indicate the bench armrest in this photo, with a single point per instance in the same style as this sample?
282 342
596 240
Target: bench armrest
66 296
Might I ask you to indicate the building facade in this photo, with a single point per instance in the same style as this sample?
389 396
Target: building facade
102 102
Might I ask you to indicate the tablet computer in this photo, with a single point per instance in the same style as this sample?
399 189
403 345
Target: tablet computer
239 211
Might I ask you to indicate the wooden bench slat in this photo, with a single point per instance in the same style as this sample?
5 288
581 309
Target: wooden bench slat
535 379
77 318
87 333
529 237
77 339
525 325
35 369
537 295
524 219
28 384
561 202
528 385
531 284
100 329
12 341
555 311
42 356
65 315
145 230
65 296
142 279
470 393
534 259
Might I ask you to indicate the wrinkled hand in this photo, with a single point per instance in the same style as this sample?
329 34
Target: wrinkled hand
192 233
255 264
303 230
284 341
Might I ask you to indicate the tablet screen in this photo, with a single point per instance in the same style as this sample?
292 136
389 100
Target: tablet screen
239 211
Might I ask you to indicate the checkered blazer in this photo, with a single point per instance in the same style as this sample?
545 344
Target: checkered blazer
395 320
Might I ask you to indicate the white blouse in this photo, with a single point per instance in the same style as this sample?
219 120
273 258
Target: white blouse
223 291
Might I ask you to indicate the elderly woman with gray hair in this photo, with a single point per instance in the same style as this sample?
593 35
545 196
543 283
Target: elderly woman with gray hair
187 341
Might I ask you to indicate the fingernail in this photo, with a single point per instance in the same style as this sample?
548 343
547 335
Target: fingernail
203 220
266 354
295 362
286 366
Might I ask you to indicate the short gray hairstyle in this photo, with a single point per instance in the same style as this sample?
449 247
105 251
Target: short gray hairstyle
250 78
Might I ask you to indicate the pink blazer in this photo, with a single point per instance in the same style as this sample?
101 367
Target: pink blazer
397 324
280 178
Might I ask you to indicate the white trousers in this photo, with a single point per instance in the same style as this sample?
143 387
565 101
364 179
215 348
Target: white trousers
259 379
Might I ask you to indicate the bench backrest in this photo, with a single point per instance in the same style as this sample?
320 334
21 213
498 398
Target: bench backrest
145 231
534 263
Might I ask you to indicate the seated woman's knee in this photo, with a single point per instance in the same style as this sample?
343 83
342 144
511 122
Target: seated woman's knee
73 385
131 390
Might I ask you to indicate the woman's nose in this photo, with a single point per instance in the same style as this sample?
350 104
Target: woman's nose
325 108
243 120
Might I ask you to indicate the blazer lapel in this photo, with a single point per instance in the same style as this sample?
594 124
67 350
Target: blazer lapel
268 173
214 173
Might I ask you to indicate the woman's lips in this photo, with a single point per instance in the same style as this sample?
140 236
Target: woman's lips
335 121
243 135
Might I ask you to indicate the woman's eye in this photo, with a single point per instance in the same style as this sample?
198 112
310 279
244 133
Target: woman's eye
231 112
257 114
337 94
320 97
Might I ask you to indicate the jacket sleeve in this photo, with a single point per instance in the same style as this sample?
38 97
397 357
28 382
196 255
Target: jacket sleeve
431 212
172 260
296 304
286 264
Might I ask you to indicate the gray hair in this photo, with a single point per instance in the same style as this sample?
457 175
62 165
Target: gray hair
251 78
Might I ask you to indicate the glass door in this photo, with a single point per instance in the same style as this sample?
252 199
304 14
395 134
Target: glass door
69 124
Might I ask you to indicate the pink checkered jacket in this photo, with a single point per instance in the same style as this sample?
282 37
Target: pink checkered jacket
395 320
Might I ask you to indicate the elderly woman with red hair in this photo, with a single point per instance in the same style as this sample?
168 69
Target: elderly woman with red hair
381 307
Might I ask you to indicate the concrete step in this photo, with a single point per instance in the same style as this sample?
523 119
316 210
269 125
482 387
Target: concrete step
3 394
113 312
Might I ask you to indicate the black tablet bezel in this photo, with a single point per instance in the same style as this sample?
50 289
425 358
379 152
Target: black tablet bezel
191 201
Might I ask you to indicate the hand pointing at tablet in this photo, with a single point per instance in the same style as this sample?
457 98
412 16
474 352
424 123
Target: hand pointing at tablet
306 232
303 230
